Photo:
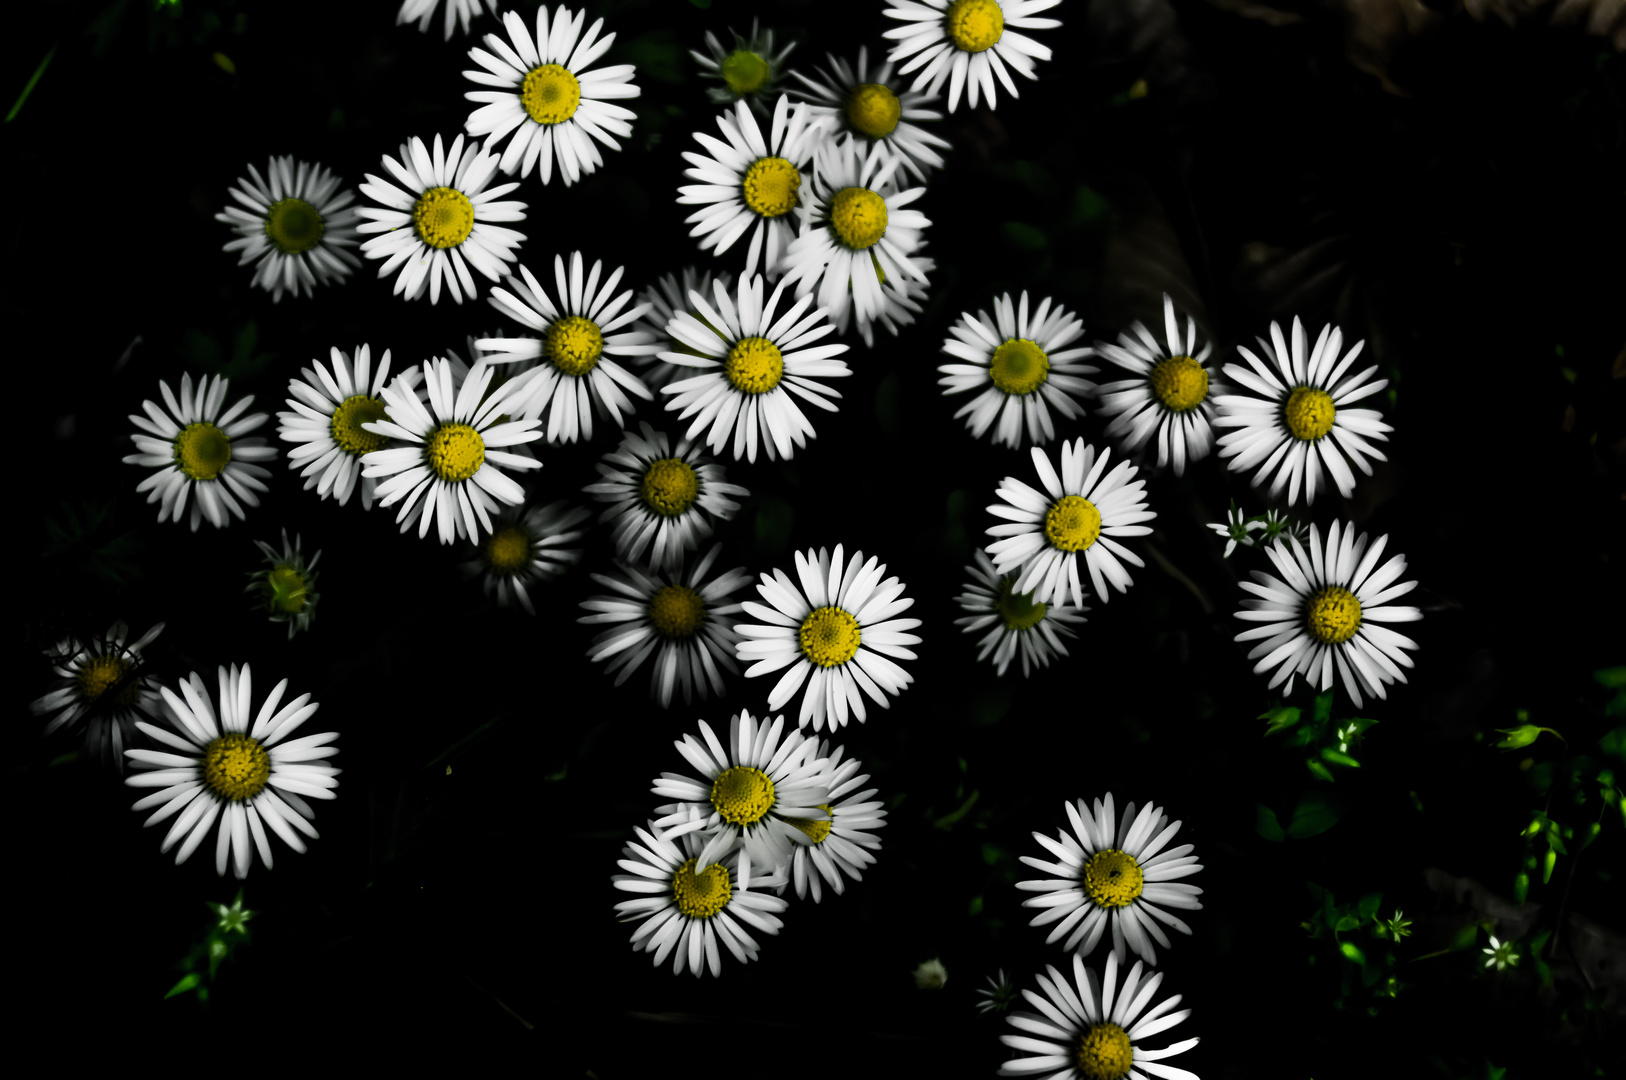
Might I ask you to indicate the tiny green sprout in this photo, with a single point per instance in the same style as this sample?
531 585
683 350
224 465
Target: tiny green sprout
1524 735
233 917
1502 954
1396 928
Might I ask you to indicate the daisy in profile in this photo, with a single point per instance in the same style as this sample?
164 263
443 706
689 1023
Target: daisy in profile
870 108
841 844
1077 516
685 913
836 633
198 448
750 184
858 243
440 220
752 361
749 72
1169 394
298 228
286 588
1324 609
545 96
100 683
681 618
526 548
457 11
576 371
1021 365
1016 624
1115 874
217 766
325 426
663 300
1091 1029
968 43
451 464
1297 418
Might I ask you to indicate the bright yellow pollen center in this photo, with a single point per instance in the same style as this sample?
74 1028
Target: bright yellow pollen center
508 550
676 611
1112 878
1180 383
745 72
101 674
829 636
1017 610
873 110
1019 366
770 186
573 345
974 25
293 225
670 486
455 452
742 795
700 896
858 217
815 831
285 589
346 426
1309 413
444 217
754 365
1105 1053
550 94
1333 615
236 767
202 451
1072 523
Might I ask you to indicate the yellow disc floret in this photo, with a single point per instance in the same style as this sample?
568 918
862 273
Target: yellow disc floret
1113 878
236 767
1105 1053
858 217
1180 383
754 365
507 550
770 186
974 25
202 451
700 896
815 831
1309 413
293 225
1332 615
873 110
455 452
745 72
1017 610
670 486
1072 523
1019 366
550 94
573 345
829 636
285 589
676 611
101 674
346 428
742 795
443 216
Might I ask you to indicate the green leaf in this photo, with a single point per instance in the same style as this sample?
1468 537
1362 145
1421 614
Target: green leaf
1339 758
948 820
1614 678
1314 814
1266 825
29 87
224 63
187 982
1320 771
975 907
1346 922
1547 866
1352 952
1521 887
1323 707
1524 735
1369 905
1024 237
1280 718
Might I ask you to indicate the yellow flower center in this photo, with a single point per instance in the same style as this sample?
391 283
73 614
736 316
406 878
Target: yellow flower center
1309 413
676 611
873 110
1017 610
573 345
745 72
829 636
700 896
455 452
754 365
293 225
1019 366
670 486
236 767
770 186
1072 523
508 550
815 831
974 25
346 426
742 795
1333 615
202 451
858 217
285 589
1104 1053
550 94
1113 878
444 217
102 674
1180 383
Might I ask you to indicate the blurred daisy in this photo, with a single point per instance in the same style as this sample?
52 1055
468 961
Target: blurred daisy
664 299
579 343
1080 511
545 95
747 183
968 43
1170 393
1237 528
999 995
460 11
452 463
1325 610
441 220
1091 1029
100 684
198 448
686 621
298 227
329 409
753 360
1021 365
835 633
869 108
287 588
931 974
216 766
1015 623
749 72
526 548
1113 873
1300 419
841 844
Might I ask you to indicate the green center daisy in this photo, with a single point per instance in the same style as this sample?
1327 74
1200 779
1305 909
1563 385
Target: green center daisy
348 418
1104 1053
573 345
670 486
815 831
1072 523
858 217
676 611
754 365
1017 610
873 110
974 25
1309 413
1113 878
444 217
1019 366
236 767
700 896
293 225
455 452
742 795
507 550
829 636
202 451
770 186
1180 383
285 589
550 94
1333 615
103 674
745 72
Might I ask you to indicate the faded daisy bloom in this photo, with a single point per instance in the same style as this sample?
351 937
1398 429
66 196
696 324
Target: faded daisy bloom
100 683
749 72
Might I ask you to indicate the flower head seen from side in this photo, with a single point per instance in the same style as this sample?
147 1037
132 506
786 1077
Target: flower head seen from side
754 363
1297 418
750 184
286 588
198 447
100 684
967 43
663 300
1169 392
1094 1029
544 94
215 765
749 72
869 107
1077 516
325 426
525 549
451 464
1015 624
298 227
999 995
842 843
837 633
1112 873
440 220
1324 609
458 13
1021 365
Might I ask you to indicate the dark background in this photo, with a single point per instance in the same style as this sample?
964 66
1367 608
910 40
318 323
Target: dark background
1453 196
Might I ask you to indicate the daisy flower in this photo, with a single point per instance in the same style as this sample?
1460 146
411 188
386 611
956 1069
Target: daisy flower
329 409
858 244
287 589
459 11
680 617
1113 873
99 683
1170 393
545 95
748 183
1088 1029
1078 514
1022 366
216 766
841 844
1237 528
753 360
440 220
664 299
452 463
749 72
835 633
1300 419
526 548
684 912
298 227
967 43
1015 623
870 108
1325 610
198 448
